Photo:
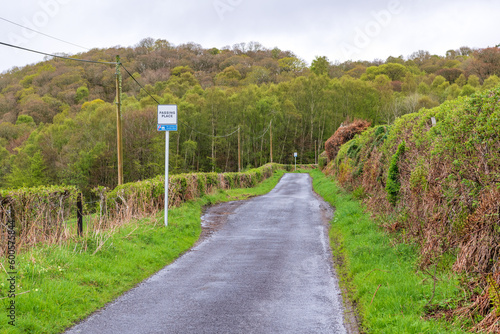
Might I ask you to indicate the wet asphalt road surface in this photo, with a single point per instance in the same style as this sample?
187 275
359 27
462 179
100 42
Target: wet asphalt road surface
268 269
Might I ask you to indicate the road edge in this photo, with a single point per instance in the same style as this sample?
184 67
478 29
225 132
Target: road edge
350 314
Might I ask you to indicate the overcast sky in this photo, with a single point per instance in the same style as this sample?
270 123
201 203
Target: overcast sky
340 30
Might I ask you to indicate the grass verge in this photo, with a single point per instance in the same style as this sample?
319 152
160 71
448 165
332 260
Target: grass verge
56 286
380 275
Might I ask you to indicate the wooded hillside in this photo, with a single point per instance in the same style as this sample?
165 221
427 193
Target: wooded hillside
58 120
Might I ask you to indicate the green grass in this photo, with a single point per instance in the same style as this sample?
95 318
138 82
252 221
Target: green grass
67 283
381 277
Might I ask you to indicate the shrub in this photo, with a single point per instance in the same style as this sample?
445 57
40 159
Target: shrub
393 184
343 134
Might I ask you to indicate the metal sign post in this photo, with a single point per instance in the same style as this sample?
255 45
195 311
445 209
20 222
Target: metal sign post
167 121
295 156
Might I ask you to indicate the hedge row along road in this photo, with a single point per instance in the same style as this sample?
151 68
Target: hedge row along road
267 269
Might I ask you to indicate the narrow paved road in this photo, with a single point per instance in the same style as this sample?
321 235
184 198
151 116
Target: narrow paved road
267 270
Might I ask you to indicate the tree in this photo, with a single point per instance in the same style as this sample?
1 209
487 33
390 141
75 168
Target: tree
4 163
28 168
438 88
25 119
320 65
461 80
82 94
396 72
420 57
484 63
258 75
491 82
450 74
467 90
229 77
179 70
146 44
473 80
396 60
291 64
356 72
452 92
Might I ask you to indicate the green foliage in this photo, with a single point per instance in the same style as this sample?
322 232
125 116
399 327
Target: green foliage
179 70
322 161
359 193
473 80
443 191
393 183
393 70
25 119
353 149
139 198
461 81
291 64
467 90
418 178
214 51
229 77
494 293
491 82
82 94
27 170
217 91
320 65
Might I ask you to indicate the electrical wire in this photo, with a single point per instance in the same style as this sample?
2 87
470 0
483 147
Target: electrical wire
264 133
137 82
41 33
56 56
208 135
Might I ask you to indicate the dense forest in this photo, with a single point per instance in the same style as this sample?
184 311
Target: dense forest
58 117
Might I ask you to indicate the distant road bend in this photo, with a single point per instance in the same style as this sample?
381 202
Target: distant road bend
268 269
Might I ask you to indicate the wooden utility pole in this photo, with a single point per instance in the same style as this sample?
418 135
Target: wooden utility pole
239 151
119 120
271 136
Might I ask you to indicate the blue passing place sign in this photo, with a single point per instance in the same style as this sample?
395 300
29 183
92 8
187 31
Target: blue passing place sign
167 127
167 117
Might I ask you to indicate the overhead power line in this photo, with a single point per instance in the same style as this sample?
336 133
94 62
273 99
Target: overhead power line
137 82
56 56
263 134
41 33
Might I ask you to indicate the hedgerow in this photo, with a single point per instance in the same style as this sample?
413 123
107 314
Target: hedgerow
443 193
37 214
48 214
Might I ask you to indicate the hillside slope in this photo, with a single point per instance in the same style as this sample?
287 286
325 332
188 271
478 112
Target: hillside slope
260 91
